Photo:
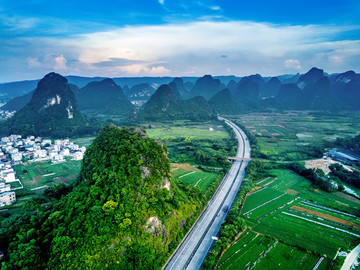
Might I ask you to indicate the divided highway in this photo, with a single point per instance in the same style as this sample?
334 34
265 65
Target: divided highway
192 251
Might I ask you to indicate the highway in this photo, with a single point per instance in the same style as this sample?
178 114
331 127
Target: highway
192 251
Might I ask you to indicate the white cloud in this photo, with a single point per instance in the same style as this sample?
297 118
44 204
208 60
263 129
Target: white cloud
194 49
33 62
60 62
215 8
161 2
292 63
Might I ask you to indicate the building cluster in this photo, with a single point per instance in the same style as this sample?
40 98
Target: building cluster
344 156
7 175
15 149
6 114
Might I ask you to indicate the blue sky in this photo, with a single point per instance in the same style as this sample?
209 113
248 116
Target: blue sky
176 38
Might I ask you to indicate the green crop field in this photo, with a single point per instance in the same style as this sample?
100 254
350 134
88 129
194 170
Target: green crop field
286 136
259 197
271 206
200 179
248 254
83 141
301 240
268 254
283 256
40 173
194 131
302 233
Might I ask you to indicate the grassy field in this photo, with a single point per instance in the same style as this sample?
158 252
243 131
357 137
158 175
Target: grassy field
258 251
246 255
37 174
270 212
200 131
195 178
83 141
287 136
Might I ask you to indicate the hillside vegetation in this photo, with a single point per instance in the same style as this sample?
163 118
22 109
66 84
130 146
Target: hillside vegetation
124 212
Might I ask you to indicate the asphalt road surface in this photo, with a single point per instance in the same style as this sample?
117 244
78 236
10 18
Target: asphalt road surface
192 251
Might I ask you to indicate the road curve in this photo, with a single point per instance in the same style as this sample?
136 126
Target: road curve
192 251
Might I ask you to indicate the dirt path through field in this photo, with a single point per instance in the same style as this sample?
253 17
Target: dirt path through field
328 217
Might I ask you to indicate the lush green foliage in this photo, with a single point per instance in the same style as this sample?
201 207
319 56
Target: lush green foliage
52 111
298 136
104 220
164 104
316 176
224 102
104 97
352 178
349 143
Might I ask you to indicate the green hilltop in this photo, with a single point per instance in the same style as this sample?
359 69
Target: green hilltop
124 212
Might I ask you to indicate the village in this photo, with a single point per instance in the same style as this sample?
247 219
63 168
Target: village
6 114
17 150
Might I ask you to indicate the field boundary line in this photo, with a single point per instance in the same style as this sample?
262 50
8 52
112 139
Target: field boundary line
186 174
265 203
267 178
48 174
271 182
45 186
318 263
257 191
322 224
237 251
320 207
199 181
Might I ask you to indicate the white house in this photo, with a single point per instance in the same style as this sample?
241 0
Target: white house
42 153
74 147
57 158
13 150
5 139
56 147
65 152
8 197
4 187
16 157
29 147
45 142
78 156
8 175
58 142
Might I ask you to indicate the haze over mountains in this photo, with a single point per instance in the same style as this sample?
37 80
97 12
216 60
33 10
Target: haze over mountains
178 98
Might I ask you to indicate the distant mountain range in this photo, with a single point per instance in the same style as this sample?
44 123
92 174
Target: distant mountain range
103 97
51 111
177 98
167 104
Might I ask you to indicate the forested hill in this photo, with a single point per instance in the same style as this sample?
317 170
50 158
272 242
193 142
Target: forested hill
103 97
125 212
52 111
166 104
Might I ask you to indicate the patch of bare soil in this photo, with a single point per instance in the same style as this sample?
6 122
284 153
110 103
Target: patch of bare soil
185 166
322 164
347 197
255 189
291 191
328 217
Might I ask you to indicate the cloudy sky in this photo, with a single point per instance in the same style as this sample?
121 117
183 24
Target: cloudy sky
121 38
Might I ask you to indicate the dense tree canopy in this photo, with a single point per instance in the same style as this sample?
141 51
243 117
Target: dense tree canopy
120 214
